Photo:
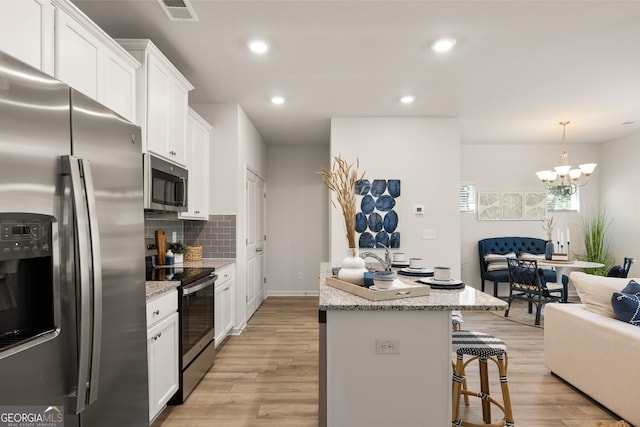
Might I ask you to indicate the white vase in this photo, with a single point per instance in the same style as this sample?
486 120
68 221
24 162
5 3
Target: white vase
178 258
352 268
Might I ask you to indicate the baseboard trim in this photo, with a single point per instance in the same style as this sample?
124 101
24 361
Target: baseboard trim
293 293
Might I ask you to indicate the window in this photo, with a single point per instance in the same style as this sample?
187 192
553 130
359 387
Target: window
467 198
562 202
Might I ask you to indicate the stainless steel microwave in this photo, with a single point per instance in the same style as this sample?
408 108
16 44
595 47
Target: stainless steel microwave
165 185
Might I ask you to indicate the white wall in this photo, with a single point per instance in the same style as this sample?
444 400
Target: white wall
511 168
297 218
620 180
424 153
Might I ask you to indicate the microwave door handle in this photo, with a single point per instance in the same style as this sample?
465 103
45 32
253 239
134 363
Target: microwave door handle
183 196
96 274
74 168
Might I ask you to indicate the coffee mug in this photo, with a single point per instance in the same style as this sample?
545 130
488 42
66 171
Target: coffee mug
398 256
442 273
416 263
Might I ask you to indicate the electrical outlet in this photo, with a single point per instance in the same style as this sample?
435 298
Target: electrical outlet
428 234
387 346
300 275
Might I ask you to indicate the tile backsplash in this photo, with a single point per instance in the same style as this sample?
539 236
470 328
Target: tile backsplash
216 236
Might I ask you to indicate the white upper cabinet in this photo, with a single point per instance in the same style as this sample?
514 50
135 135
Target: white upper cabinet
90 61
57 38
26 32
163 95
198 140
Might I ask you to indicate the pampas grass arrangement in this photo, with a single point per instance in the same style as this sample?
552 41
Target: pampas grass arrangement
342 179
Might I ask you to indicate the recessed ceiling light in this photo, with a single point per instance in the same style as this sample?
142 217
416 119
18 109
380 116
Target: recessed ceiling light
277 100
407 99
258 46
628 122
443 45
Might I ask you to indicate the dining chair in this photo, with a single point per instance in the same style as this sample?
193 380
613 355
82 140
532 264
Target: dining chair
527 283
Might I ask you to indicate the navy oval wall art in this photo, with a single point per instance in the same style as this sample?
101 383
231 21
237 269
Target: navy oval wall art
378 187
368 204
390 221
377 221
385 203
361 222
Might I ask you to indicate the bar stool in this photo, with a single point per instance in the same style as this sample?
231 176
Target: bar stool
481 347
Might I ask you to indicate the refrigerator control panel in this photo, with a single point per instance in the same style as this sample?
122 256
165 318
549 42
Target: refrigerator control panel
24 236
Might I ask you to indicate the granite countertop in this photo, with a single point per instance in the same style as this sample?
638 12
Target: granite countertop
156 288
468 298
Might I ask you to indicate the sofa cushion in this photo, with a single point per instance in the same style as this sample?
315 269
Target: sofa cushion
632 287
626 307
595 291
498 261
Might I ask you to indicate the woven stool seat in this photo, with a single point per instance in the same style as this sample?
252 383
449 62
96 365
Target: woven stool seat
481 347
477 344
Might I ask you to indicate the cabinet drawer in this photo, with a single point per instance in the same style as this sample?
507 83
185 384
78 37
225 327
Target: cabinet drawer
224 274
162 306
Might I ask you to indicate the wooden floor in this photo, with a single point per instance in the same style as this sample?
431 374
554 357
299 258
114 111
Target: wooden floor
268 376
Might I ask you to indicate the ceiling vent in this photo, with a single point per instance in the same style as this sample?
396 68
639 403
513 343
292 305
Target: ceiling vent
178 10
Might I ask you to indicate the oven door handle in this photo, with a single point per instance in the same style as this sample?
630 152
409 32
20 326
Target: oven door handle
199 285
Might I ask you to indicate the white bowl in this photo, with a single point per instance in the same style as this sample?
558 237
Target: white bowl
382 284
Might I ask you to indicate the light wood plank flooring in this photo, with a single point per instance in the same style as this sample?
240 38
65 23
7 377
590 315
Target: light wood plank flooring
268 376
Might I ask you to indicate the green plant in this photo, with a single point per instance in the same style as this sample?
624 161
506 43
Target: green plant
594 227
178 248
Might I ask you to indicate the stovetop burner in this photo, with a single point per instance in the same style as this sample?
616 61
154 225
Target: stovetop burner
177 273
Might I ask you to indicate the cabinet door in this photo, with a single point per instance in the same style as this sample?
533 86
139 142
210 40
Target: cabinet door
217 314
198 166
26 32
163 348
178 105
120 87
157 107
77 56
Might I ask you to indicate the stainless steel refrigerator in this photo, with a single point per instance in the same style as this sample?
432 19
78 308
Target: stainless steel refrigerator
72 289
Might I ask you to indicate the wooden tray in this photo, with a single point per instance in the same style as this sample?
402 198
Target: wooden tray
399 289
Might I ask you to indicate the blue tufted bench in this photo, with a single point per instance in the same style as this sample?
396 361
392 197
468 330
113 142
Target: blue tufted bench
505 245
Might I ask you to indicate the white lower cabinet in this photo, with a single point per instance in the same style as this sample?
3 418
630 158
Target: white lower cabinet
162 350
224 302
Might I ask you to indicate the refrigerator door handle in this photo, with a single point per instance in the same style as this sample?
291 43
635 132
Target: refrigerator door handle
89 279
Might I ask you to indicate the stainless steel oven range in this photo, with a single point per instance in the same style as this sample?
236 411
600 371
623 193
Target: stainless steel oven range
195 311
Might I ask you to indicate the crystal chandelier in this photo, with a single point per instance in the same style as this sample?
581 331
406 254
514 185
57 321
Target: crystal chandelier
564 181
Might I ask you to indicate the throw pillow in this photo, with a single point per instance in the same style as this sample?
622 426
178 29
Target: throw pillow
632 287
527 255
595 291
498 261
626 307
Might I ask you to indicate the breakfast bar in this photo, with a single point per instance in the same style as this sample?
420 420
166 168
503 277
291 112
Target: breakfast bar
389 362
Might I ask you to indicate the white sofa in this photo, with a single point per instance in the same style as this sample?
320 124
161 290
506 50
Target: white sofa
587 347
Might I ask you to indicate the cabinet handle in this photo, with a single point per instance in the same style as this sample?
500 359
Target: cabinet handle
173 153
156 312
226 289
196 212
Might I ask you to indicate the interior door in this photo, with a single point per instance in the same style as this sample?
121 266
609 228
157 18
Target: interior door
255 241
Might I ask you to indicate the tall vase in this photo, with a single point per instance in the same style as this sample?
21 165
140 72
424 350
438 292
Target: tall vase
548 250
352 268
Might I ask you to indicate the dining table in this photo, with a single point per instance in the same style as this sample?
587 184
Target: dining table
561 265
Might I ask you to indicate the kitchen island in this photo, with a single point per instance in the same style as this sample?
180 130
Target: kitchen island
389 362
